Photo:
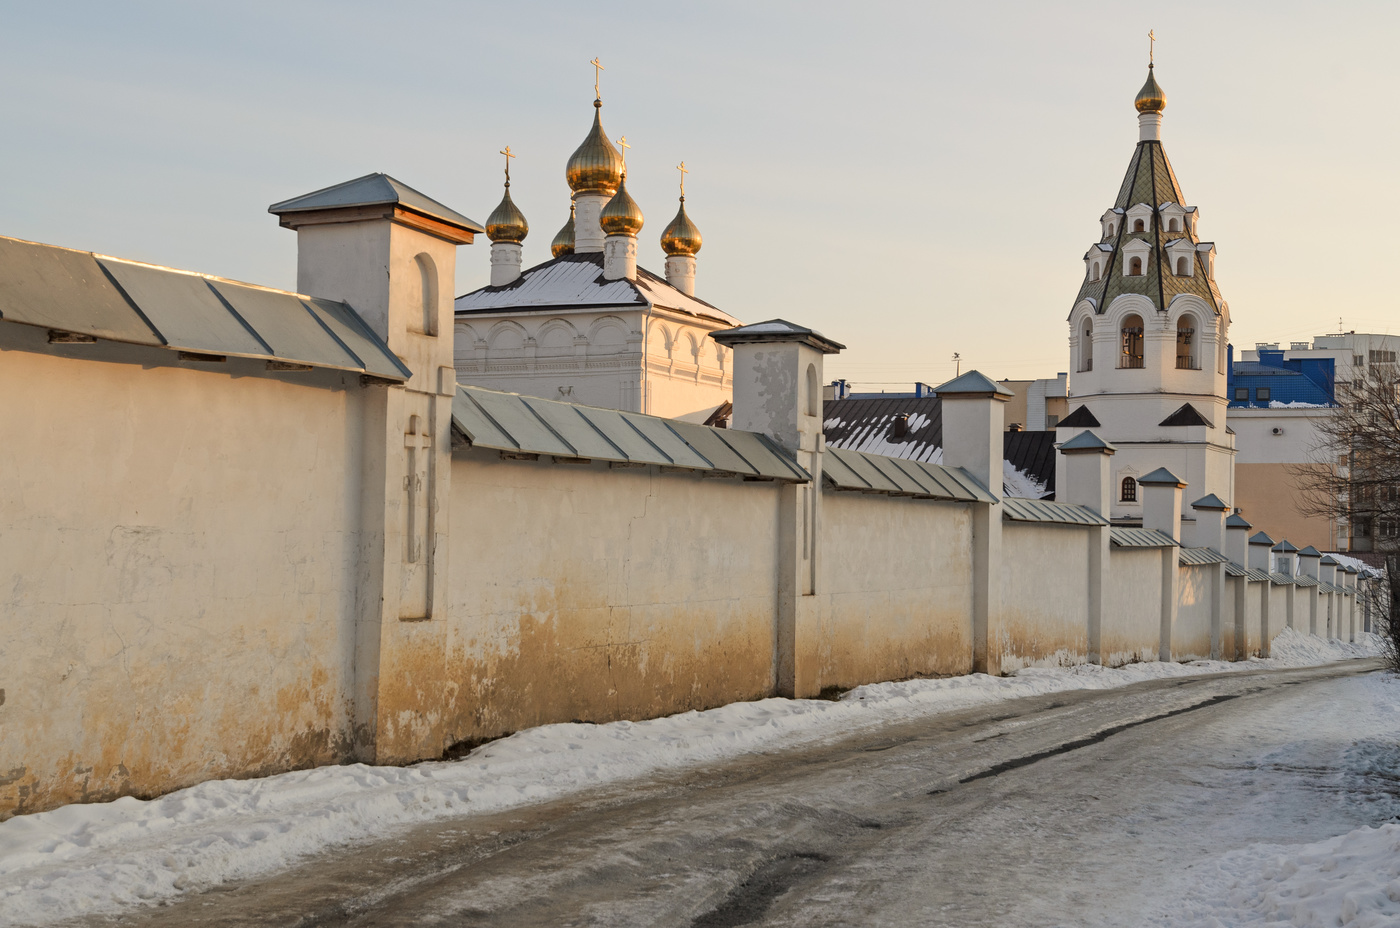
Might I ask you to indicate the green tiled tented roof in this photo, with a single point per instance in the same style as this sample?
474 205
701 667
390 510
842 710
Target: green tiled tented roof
1150 180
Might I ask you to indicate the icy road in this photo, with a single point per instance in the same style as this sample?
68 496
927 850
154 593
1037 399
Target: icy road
1198 801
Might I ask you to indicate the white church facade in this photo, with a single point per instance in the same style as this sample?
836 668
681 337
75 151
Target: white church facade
589 325
1149 332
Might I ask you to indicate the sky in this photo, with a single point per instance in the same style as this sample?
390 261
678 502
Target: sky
911 179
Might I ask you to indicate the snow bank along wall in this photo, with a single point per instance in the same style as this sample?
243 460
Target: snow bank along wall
227 557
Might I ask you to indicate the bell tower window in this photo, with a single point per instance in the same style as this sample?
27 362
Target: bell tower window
1135 267
1181 269
1186 344
1130 337
1086 347
1139 225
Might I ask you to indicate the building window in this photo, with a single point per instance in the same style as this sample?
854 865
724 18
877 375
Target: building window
1181 269
1086 347
1135 267
1052 422
1139 226
1096 270
1261 394
1186 344
1131 341
1172 227
1129 491
1242 394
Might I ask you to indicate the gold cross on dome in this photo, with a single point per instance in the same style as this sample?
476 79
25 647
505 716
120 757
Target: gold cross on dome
1151 45
509 155
682 168
598 70
622 144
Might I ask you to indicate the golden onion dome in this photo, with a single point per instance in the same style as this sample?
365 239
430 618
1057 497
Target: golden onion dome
681 237
1151 98
563 243
506 223
596 164
621 215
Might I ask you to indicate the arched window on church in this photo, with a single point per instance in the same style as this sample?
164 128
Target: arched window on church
1112 228
1096 271
1173 226
1186 344
1139 225
1129 491
1131 340
1086 346
1181 270
1135 267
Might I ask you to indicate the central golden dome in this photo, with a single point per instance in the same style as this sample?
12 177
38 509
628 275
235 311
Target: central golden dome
506 223
596 164
681 237
563 243
622 215
1151 98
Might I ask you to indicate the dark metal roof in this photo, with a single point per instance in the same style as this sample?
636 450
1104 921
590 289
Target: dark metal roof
527 425
143 304
1086 443
374 190
1160 477
1211 502
1187 415
1235 520
1261 538
1081 418
777 330
973 383
870 425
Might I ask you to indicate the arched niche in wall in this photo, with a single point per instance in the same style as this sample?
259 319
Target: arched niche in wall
556 338
422 297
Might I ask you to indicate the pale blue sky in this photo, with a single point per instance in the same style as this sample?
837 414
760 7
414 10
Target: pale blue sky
911 179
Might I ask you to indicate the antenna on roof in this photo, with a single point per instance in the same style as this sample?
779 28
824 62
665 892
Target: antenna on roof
957 361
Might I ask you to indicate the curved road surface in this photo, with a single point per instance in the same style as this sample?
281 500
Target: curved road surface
1081 808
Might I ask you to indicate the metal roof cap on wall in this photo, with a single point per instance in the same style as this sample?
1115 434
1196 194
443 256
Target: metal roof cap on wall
1201 556
1280 579
844 469
1127 537
1049 512
1254 573
1261 538
1235 520
528 425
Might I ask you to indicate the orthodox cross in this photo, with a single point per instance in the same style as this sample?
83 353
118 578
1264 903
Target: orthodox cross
598 69
622 144
509 156
681 167
1151 45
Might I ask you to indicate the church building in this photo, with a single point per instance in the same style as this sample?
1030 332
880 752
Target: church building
589 325
1149 332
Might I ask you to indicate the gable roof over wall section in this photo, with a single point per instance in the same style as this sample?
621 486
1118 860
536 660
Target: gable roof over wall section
843 469
577 281
83 293
526 425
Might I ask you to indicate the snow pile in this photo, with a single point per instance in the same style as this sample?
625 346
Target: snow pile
97 858
1295 649
1019 484
1352 880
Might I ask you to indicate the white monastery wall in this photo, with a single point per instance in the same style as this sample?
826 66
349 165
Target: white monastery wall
896 589
1278 613
177 571
1191 633
1132 621
1044 595
583 591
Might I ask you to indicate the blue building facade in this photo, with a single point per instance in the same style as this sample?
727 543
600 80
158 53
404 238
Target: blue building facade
1274 379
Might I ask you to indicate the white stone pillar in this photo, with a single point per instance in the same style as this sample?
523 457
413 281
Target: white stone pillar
1088 483
506 258
620 257
1161 511
1309 566
588 231
973 420
1261 548
777 392
680 273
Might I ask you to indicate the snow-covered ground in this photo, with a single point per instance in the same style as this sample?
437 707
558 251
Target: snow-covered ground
99 858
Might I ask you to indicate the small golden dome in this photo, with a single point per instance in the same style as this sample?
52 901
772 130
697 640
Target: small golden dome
681 237
563 243
1151 98
506 223
621 215
596 164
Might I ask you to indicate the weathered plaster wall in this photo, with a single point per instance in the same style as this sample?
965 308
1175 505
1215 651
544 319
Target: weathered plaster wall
895 589
177 553
1278 614
1132 619
1191 634
1044 595
580 591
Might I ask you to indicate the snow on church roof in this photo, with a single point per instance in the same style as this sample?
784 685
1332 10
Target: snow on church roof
577 281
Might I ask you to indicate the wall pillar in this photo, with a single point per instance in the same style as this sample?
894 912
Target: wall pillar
973 420
1328 566
1260 556
1309 566
1161 511
777 392
1237 550
1088 483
